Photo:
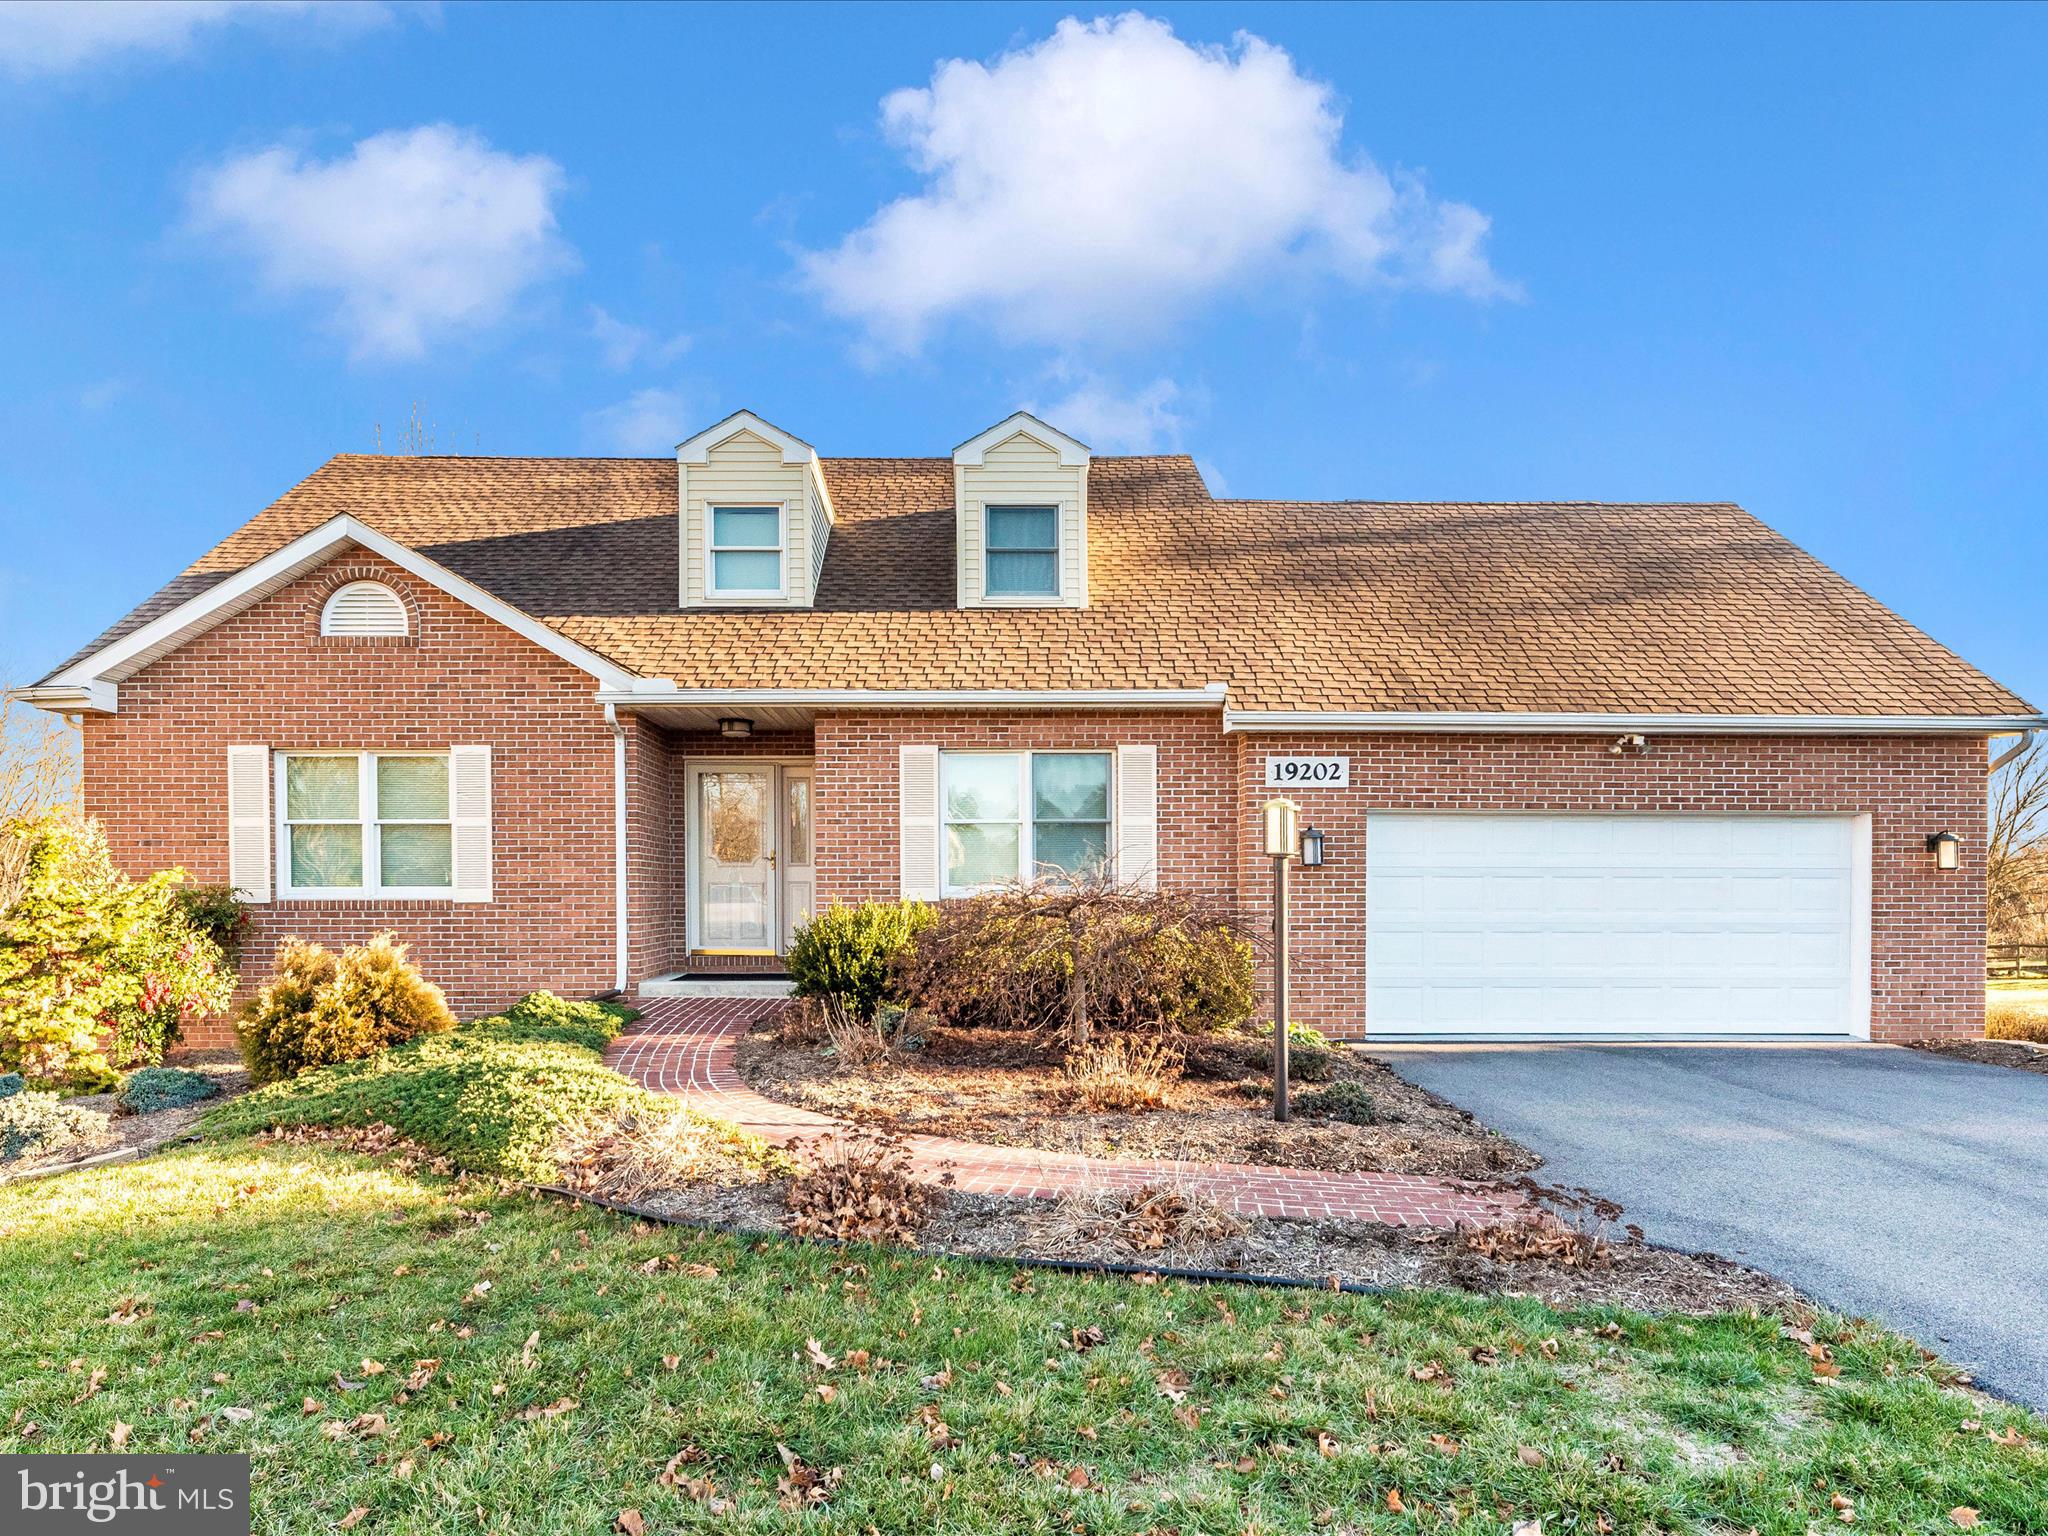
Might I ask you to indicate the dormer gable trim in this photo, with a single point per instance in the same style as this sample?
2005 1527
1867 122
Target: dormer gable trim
697 450
1072 451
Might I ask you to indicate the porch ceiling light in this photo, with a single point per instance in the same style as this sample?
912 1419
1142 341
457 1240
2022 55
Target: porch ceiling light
735 726
1947 850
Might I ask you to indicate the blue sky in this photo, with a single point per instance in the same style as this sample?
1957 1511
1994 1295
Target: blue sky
1788 257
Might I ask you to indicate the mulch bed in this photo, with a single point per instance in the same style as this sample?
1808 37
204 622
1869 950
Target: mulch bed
141 1134
1990 1053
1638 1275
999 1087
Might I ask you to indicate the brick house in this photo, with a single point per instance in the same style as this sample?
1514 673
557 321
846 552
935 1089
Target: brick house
593 724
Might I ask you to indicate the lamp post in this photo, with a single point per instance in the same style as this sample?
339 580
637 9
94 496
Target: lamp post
1283 837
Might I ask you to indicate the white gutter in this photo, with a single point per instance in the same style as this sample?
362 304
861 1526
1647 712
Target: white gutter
662 692
97 697
619 931
1596 724
2026 740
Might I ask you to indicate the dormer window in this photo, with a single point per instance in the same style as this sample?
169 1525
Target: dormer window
746 551
1020 517
1023 551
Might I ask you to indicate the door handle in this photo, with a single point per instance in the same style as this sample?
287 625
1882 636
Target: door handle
771 858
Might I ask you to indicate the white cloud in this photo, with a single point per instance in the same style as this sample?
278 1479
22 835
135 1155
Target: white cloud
649 421
54 37
622 344
1112 423
414 235
1109 177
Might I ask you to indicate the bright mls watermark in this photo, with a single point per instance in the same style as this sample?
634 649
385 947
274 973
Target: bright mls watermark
145 1495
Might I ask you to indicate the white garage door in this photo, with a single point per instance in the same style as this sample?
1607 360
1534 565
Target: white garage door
1562 927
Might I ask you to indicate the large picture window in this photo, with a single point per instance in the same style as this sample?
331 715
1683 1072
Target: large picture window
1023 552
1024 816
365 824
746 551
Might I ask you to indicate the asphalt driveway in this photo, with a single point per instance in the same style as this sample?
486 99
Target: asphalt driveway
1881 1181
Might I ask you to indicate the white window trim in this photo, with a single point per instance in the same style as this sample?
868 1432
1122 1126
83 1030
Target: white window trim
1059 564
1027 834
713 549
372 889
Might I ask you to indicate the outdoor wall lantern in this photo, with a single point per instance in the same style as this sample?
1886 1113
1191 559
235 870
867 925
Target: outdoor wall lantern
1311 848
1947 849
735 727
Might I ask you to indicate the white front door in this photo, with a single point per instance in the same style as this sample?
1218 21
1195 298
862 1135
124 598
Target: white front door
1578 927
751 855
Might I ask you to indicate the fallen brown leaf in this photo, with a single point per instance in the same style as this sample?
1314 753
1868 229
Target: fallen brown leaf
629 1523
352 1519
1963 1516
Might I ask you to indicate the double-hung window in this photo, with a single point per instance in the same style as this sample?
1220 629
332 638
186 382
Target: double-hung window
1023 551
746 551
1018 817
365 824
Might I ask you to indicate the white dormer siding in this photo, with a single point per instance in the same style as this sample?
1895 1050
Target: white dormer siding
1035 479
749 468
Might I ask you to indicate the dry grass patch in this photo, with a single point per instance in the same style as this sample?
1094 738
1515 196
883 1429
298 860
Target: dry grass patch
634 1154
1124 1074
2016 1021
1164 1220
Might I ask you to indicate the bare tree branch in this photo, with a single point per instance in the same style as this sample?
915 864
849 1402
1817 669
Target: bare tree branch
39 763
2017 860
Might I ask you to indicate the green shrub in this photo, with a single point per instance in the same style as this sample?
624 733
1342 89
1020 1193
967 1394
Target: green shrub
846 956
1080 960
1347 1101
320 1008
97 971
44 1123
546 1018
489 1099
2013 1021
155 1088
11 1083
1310 1056
217 912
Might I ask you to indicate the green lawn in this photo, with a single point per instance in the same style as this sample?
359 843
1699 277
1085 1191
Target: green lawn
260 1276
2018 989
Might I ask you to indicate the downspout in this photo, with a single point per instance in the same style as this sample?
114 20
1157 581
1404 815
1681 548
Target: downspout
611 719
2026 740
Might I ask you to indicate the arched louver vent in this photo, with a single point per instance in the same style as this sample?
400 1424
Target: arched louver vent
364 608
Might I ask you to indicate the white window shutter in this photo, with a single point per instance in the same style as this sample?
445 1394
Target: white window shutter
918 834
1137 817
249 822
469 794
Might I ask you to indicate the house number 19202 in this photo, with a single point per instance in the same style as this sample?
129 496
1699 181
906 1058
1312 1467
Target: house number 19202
1306 772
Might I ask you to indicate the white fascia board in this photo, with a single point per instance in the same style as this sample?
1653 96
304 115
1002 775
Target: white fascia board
697 450
124 657
655 692
1072 450
88 698
1687 725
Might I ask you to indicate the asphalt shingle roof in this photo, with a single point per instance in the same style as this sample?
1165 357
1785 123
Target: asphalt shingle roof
1546 607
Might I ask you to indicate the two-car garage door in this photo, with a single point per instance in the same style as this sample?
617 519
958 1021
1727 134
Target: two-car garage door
1562 927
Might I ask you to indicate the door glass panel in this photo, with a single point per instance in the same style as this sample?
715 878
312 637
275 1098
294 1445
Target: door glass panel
798 841
736 862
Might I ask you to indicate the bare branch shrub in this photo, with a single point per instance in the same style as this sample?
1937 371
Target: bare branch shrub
2016 857
858 1186
39 761
1096 956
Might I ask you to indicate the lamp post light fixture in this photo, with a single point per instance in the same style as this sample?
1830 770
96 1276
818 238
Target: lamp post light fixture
735 727
1947 850
1283 839
1311 848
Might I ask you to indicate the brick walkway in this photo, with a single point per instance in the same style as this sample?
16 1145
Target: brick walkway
684 1046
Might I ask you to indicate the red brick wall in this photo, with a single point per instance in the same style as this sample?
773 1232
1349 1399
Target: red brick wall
1927 928
156 775
654 841
859 764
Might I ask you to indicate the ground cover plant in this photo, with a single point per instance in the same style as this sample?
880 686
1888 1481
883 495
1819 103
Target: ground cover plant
450 1355
495 1096
155 1088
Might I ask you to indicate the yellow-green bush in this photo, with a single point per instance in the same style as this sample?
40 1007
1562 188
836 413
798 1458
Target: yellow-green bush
2016 1021
321 1008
